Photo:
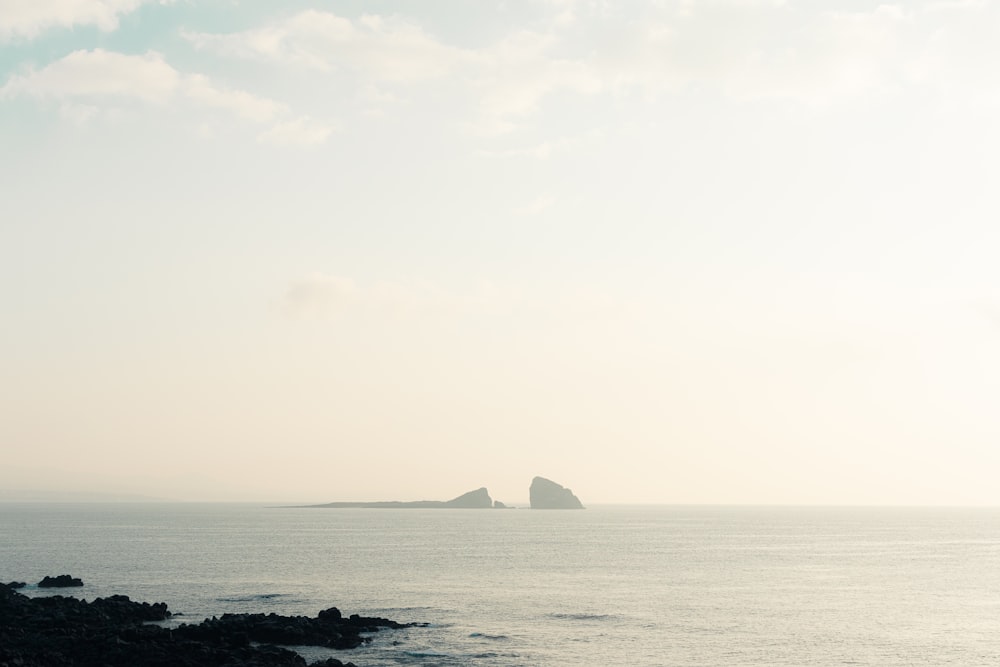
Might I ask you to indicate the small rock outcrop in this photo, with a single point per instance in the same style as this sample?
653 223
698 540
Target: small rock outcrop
547 495
62 581
497 505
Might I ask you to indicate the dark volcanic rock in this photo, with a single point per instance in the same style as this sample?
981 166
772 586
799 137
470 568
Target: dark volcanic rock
328 629
547 495
16 584
62 581
62 631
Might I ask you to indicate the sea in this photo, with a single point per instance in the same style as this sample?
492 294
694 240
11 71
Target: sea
615 585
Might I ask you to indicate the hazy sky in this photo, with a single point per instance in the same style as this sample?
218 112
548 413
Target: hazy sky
719 251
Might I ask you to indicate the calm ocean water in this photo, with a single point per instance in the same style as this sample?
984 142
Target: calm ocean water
638 586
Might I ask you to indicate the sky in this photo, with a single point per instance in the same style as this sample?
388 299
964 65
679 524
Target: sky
659 251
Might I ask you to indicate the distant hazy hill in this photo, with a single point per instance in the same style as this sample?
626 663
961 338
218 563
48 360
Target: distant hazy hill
478 499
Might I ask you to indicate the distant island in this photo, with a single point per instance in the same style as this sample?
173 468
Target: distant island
545 494
473 500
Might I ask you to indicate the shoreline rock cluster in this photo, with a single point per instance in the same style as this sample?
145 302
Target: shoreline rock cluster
59 631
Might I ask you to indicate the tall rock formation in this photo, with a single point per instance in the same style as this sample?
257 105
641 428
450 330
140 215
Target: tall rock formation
547 495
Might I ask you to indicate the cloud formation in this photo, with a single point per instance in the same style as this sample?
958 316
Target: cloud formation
388 48
589 54
202 91
83 80
301 131
743 51
99 73
29 18
509 77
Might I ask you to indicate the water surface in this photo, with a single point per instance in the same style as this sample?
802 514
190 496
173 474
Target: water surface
638 586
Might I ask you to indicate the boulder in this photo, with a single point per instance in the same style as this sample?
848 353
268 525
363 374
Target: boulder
62 581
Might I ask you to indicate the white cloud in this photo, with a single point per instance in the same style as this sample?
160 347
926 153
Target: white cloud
749 50
743 50
99 73
85 82
510 77
388 48
517 73
246 105
28 18
756 50
297 132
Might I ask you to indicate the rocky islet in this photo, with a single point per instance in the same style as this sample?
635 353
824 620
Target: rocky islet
547 495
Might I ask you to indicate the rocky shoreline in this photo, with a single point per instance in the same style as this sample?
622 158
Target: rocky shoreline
60 631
